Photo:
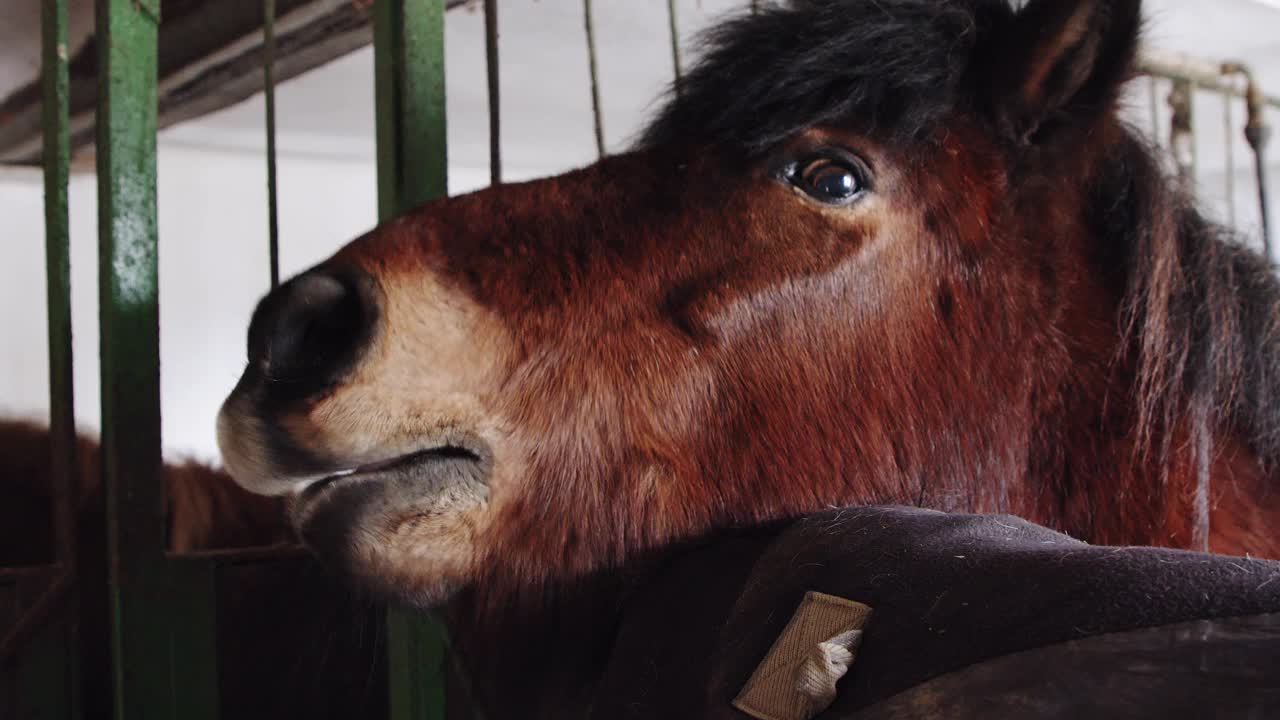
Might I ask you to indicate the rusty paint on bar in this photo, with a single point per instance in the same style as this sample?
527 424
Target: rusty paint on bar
1207 75
1182 132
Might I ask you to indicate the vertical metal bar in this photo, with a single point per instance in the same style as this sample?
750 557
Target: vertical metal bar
409 84
1202 449
269 94
57 159
491 67
62 418
755 6
1181 133
412 167
194 639
416 657
1264 211
39 677
1258 134
588 19
1229 137
1153 92
387 114
674 28
129 312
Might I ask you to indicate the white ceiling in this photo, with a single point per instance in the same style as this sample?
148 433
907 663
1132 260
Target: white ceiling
544 80
20 38
545 90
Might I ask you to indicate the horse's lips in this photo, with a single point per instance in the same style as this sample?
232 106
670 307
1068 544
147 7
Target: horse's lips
373 473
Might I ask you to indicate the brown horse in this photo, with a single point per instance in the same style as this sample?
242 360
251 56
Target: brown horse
205 509
873 251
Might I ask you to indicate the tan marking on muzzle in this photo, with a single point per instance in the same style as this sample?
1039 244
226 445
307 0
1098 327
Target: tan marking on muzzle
433 361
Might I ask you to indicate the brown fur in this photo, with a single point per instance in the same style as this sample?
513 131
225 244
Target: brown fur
206 510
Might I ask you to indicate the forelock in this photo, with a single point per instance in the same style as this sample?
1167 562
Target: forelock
881 65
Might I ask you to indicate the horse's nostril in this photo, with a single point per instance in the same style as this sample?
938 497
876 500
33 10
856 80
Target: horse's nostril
310 328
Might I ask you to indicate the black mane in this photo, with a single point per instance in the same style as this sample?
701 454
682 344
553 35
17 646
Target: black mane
1202 309
888 64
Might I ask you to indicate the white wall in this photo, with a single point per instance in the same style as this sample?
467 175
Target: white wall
213 266
213 214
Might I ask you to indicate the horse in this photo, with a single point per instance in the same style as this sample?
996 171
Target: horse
869 252
204 508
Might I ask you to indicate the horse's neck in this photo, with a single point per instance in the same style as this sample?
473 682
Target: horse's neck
1244 504
559 658
1091 473
543 661
1088 476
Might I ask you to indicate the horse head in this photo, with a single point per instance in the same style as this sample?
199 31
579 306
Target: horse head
871 251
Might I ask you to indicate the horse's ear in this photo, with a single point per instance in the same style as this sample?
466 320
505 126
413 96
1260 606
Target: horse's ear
1060 60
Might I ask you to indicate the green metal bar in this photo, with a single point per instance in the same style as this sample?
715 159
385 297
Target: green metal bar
597 115
269 93
416 655
495 99
130 364
57 160
40 596
62 425
194 640
673 27
409 84
387 115
425 157
41 677
408 38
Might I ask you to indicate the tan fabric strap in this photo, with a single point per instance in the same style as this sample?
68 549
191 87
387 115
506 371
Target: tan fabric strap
797 678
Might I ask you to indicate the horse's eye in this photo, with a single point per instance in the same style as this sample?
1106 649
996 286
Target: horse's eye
831 180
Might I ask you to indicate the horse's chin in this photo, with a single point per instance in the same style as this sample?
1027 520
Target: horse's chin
405 529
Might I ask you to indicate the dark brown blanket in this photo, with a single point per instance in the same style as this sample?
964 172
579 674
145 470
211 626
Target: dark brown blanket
982 616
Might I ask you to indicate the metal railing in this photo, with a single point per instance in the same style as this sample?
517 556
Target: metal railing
1234 84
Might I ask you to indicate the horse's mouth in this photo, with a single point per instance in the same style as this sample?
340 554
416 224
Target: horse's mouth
435 477
370 472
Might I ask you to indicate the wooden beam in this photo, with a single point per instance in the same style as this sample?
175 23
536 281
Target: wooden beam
211 56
